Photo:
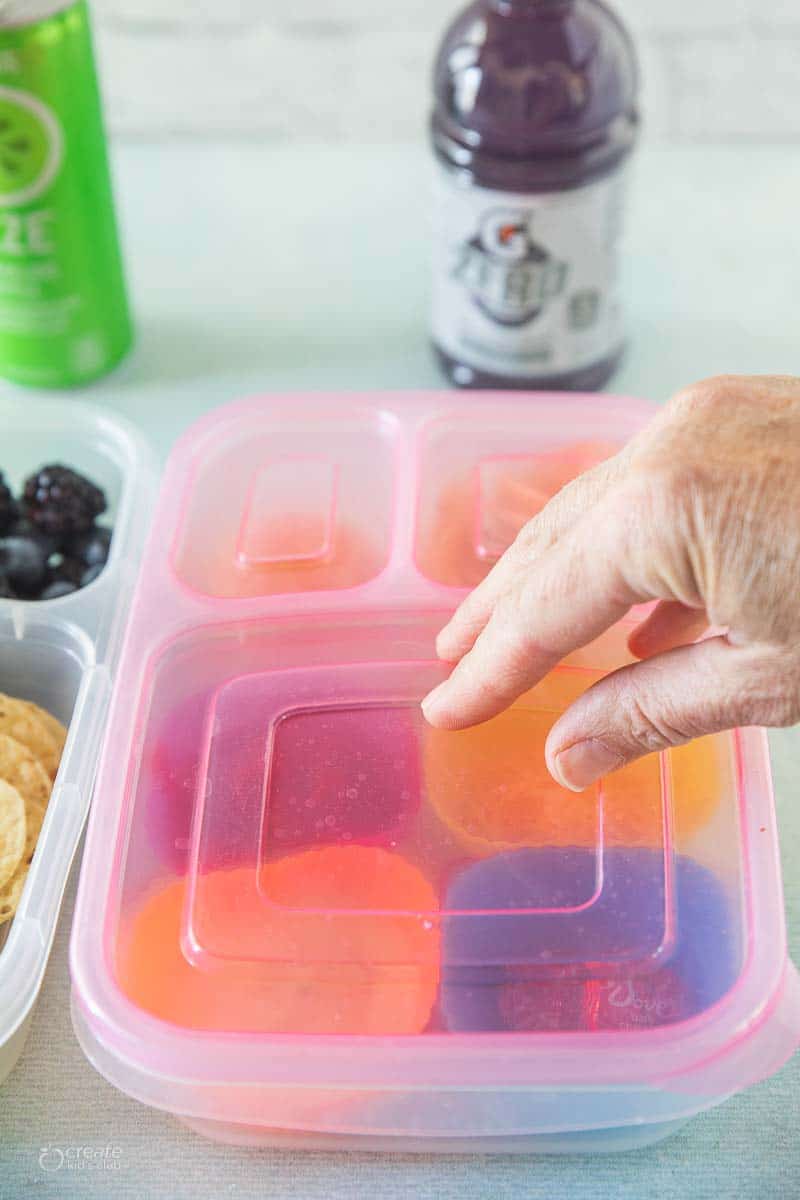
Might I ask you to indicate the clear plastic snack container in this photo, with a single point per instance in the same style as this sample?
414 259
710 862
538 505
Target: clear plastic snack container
307 918
62 654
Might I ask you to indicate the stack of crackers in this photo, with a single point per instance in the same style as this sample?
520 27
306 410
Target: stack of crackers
31 743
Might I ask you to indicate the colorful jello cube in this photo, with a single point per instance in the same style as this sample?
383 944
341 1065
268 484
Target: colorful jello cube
335 940
343 775
334 775
572 939
490 786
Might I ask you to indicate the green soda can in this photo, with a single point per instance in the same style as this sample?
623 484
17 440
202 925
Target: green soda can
64 315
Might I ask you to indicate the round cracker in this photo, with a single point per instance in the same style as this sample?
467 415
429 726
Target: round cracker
52 724
11 894
20 722
20 768
13 830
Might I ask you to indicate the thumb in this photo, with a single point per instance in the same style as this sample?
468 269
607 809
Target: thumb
668 700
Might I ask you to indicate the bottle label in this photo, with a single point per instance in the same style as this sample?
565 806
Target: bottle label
527 286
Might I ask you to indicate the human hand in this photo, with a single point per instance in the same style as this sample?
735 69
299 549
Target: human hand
700 512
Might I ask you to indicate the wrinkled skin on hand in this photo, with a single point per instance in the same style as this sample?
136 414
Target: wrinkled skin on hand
700 512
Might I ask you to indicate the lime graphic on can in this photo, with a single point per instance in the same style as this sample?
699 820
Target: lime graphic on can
31 147
64 317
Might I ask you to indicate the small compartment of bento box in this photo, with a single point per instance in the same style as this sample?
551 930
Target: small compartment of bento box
83 513
57 658
308 502
44 669
483 478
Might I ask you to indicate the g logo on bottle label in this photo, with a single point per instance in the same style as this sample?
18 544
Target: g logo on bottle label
505 233
509 276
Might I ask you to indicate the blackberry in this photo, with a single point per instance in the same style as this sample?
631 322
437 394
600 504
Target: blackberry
60 502
8 505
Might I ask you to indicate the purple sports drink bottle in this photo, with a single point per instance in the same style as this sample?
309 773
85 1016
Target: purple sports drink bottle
535 116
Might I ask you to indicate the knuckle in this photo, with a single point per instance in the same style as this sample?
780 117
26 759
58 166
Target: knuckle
707 396
511 633
666 485
509 622
647 504
534 536
652 724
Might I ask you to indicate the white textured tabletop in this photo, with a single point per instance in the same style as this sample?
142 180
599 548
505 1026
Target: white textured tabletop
257 270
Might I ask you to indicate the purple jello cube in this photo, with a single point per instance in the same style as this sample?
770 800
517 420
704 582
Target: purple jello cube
573 939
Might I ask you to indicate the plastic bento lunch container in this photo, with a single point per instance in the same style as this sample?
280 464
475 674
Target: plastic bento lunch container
62 654
307 918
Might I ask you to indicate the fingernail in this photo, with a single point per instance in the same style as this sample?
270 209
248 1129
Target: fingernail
584 763
432 702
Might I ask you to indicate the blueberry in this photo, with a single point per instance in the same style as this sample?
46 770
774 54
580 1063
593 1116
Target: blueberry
60 587
24 528
91 547
62 569
24 564
91 573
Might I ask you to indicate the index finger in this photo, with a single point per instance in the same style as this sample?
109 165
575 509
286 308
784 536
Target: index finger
535 539
578 589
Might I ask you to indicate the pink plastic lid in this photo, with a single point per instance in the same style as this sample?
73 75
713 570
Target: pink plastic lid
290 878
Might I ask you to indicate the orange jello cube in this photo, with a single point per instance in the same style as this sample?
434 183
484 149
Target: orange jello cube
342 939
490 786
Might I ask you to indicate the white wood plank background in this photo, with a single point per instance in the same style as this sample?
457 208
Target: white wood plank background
356 70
